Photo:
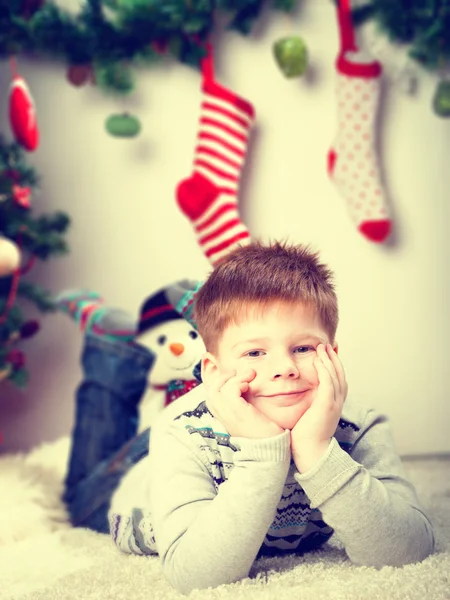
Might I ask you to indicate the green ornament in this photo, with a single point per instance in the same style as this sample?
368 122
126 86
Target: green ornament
123 126
291 55
441 100
114 77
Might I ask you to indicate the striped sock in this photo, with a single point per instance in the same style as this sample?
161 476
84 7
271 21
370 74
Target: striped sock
79 304
209 197
92 315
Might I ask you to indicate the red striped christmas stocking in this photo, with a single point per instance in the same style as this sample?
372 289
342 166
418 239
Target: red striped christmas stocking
209 197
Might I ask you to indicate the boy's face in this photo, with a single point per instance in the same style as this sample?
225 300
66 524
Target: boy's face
279 343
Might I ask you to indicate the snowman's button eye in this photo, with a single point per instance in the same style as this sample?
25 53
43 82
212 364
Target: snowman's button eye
193 334
162 340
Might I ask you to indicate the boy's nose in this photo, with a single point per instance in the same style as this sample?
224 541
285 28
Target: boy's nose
288 370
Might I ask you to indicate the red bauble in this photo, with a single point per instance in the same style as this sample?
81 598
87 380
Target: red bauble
22 114
29 328
160 46
16 358
78 75
30 7
22 196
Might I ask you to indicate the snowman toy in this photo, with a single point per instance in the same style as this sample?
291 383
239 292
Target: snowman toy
178 350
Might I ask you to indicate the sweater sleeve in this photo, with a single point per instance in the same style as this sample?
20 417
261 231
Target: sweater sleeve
207 537
366 498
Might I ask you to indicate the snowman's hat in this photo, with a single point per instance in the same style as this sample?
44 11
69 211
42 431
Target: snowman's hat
156 310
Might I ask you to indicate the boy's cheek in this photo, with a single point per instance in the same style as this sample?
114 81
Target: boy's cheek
310 373
251 394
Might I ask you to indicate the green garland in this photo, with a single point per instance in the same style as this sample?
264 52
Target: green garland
423 25
113 35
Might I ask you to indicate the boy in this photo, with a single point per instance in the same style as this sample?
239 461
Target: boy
268 455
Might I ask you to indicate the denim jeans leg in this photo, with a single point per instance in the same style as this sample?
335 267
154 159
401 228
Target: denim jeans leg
104 442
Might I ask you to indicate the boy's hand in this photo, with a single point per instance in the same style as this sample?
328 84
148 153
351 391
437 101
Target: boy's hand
240 418
313 432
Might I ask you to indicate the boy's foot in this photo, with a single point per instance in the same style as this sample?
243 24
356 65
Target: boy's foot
88 309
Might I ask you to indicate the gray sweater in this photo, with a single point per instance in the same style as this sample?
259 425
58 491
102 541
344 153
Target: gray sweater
210 504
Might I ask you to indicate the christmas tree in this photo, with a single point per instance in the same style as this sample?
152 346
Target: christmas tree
37 238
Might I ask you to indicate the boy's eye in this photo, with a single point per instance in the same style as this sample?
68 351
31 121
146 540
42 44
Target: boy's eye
304 349
254 353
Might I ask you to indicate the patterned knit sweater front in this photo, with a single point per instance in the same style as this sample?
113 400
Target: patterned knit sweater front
210 504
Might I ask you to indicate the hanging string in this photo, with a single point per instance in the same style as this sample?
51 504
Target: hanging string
13 67
11 296
442 41
346 29
289 24
207 63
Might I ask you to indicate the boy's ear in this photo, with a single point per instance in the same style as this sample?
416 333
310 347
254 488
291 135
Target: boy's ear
209 367
336 347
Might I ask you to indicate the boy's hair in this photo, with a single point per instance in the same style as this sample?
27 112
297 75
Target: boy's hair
257 275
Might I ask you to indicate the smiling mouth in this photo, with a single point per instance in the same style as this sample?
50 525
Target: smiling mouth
283 394
286 398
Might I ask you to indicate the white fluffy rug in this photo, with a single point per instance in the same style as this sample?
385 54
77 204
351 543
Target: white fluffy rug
43 558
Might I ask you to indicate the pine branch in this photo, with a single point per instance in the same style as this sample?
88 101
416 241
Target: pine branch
34 293
38 237
107 32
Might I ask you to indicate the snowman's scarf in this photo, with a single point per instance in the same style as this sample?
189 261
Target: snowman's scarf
176 388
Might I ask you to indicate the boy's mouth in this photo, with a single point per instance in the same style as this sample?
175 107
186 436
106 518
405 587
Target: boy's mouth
280 394
286 398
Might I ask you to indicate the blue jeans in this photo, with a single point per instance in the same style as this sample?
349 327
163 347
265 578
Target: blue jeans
104 442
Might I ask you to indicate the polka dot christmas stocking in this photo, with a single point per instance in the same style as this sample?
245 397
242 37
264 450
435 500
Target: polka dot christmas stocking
352 160
209 197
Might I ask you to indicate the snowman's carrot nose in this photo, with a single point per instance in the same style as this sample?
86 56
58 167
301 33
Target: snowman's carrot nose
177 349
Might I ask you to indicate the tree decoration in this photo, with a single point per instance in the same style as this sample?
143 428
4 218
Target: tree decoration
441 99
114 76
78 75
28 239
9 257
123 126
127 33
29 7
21 196
22 113
113 37
407 80
421 25
291 55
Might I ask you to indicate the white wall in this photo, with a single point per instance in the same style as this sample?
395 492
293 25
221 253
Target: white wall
128 237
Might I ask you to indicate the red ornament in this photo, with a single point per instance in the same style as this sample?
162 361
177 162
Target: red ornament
16 358
160 46
29 328
12 174
22 196
78 75
22 114
30 7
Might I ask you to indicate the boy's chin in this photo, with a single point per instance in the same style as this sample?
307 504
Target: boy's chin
286 417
